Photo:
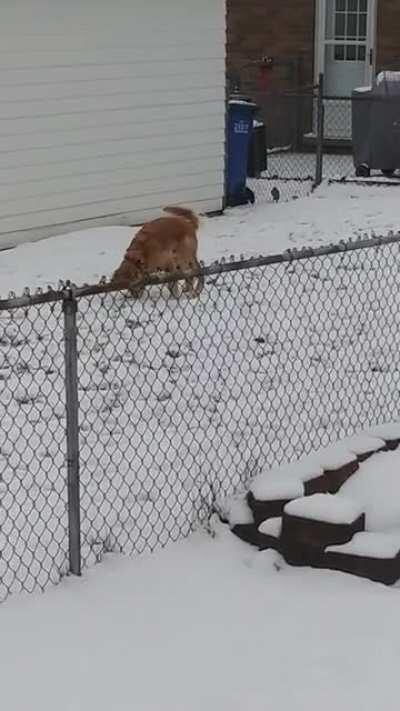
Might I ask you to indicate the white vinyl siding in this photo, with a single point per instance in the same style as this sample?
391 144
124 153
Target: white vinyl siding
108 111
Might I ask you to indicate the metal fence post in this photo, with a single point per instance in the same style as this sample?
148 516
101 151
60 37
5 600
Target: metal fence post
72 417
320 132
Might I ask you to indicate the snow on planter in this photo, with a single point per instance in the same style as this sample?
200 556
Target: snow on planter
325 507
241 521
273 486
363 446
338 463
311 473
373 555
239 513
269 533
389 432
376 485
312 523
373 544
269 494
306 470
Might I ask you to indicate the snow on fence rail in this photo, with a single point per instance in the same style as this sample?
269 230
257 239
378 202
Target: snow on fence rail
123 420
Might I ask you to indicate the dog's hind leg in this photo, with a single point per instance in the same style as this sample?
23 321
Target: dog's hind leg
196 283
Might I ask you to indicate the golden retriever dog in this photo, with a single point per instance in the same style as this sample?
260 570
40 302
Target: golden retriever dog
167 244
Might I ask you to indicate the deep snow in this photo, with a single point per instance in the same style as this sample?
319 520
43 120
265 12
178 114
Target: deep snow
205 625
183 401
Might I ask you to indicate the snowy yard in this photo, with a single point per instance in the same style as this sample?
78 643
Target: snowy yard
294 174
332 213
174 396
205 625
180 402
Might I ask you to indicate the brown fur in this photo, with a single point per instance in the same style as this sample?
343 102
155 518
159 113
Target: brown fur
167 244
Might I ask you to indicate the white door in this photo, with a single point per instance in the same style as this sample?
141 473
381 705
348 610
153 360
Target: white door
345 57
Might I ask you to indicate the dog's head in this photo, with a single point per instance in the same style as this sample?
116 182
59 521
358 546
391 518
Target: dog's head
125 273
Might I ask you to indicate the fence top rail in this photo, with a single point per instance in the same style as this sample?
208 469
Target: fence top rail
68 290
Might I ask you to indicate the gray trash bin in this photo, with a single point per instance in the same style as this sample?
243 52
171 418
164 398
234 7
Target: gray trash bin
376 125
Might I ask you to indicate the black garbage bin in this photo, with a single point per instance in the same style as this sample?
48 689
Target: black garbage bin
376 125
257 162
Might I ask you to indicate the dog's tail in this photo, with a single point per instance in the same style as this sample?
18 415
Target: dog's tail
188 215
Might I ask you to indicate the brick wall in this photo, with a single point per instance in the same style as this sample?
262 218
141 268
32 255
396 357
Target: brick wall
388 44
283 29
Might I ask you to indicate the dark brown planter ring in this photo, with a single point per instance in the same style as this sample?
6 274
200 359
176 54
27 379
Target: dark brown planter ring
304 539
337 477
364 564
366 455
263 510
389 432
247 532
270 540
318 485
391 444
379 570
364 446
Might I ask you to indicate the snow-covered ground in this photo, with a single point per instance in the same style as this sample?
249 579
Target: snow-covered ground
205 625
180 401
332 213
294 174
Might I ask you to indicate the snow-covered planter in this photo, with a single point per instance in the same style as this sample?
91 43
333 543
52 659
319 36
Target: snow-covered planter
327 529
270 493
269 534
364 446
369 554
338 464
389 432
312 523
241 521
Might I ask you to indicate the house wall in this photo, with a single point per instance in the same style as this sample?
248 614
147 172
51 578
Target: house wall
109 110
388 34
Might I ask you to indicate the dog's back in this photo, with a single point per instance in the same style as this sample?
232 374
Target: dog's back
185 213
165 244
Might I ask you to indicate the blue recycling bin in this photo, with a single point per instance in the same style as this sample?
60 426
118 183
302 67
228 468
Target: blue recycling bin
240 129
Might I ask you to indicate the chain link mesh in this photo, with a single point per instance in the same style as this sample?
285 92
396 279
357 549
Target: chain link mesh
339 134
33 495
294 133
291 146
182 402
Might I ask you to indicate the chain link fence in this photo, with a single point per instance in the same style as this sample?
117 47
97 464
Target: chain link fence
380 116
290 171
309 136
123 421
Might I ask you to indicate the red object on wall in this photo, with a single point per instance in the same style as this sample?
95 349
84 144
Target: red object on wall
265 67
264 78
